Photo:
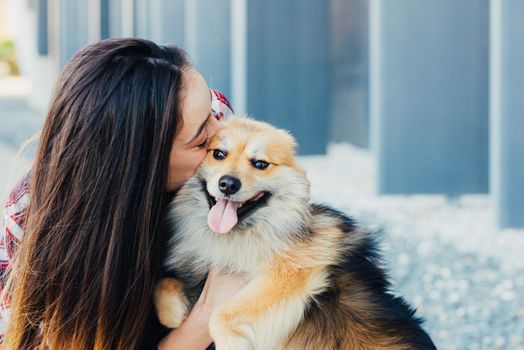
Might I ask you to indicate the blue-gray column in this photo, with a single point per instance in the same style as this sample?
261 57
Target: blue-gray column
43 41
211 46
350 47
142 19
507 111
122 18
115 18
105 31
104 19
172 18
429 95
288 68
161 21
73 22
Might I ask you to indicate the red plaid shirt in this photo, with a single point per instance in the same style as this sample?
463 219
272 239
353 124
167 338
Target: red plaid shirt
14 221
15 215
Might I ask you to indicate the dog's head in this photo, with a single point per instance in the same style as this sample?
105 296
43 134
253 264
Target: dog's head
249 178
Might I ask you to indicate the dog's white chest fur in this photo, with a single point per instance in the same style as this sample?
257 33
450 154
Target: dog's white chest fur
202 250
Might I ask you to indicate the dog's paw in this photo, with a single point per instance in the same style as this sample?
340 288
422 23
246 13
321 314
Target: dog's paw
170 302
229 333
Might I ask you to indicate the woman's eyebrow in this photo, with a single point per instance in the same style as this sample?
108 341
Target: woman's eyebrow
200 129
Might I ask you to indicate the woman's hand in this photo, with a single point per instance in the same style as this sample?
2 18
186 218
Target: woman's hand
219 287
193 333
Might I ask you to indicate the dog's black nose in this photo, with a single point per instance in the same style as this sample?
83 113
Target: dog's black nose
229 185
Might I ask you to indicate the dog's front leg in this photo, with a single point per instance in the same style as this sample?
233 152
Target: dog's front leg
170 302
267 310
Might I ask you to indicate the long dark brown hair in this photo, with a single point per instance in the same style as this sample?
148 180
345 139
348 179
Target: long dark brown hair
84 275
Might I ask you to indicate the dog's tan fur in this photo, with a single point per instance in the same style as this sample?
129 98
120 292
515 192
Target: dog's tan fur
170 302
289 250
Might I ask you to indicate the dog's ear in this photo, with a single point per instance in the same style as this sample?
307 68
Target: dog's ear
282 147
290 140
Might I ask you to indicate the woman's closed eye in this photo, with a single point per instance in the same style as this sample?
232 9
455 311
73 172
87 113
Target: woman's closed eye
203 144
202 139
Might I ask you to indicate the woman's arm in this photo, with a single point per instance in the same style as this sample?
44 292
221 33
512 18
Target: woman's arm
192 334
194 331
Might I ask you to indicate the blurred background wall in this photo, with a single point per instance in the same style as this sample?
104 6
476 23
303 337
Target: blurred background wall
433 88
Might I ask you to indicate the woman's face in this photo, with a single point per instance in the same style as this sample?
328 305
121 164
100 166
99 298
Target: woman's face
198 126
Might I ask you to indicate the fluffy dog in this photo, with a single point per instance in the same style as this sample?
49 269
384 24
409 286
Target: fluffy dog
315 278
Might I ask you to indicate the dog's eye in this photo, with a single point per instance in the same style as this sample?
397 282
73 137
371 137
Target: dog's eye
219 155
260 164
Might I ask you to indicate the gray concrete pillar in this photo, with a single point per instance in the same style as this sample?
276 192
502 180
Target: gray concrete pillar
170 14
288 70
42 35
73 28
429 95
115 18
104 19
350 60
161 21
143 21
122 18
507 111
208 41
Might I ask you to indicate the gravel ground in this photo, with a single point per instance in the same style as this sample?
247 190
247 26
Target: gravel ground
465 277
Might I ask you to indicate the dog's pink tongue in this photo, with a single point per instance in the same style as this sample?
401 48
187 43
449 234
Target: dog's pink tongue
223 216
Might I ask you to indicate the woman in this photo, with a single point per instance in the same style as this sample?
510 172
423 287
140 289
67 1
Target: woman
128 124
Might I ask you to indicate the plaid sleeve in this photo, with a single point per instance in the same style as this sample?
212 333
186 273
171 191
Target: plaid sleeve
220 105
10 237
